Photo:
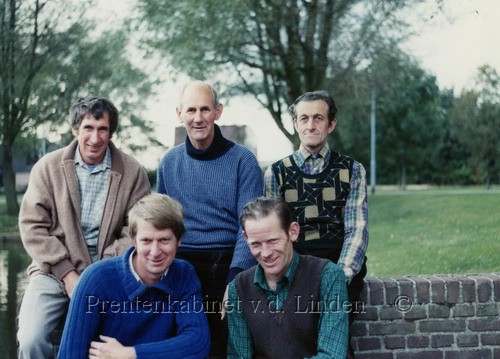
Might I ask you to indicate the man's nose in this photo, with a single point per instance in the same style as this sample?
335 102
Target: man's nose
310 124
94 137
155 248
197 116
265 251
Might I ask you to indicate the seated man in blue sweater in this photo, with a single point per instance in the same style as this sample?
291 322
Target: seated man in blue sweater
213 178
288 305
144 303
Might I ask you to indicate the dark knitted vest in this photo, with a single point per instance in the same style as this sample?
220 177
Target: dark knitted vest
291 332
318 200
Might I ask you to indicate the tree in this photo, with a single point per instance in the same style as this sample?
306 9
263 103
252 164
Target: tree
409 119
49 56
272 50
475 121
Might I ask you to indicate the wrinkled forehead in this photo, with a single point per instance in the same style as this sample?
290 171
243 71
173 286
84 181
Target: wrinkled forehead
312 108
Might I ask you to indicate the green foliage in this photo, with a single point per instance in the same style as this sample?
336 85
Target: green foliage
434 232
475 123
272 50
409 125
50 56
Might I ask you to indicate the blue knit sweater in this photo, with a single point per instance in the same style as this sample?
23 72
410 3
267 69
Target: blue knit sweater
212 193
165 320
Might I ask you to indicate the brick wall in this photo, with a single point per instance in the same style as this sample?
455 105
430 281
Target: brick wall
429 317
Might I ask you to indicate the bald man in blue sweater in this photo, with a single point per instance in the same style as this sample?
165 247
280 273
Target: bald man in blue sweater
213 178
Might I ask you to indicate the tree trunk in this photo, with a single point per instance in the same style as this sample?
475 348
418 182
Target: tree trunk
9 180
402 178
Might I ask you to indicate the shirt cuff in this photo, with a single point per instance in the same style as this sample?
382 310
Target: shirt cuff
348 273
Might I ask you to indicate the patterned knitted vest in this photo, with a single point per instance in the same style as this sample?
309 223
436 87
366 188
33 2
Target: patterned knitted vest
318 200
292 331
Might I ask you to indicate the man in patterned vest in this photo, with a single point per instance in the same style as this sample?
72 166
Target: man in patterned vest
288 305
327 191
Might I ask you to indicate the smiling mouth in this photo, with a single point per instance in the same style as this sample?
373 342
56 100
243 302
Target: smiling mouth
157 261
270 262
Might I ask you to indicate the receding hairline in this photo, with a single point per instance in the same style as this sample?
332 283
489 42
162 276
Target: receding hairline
199 83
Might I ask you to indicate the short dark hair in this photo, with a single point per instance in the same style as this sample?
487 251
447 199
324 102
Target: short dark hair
96 106
314 96
261 207
161 211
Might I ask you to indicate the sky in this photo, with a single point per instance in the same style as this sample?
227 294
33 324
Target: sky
456 38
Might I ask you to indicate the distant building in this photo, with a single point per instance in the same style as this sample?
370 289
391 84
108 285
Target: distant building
242 135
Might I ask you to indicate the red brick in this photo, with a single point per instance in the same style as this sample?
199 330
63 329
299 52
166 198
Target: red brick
468 289
484 288
438 326
396 342
437 290
464 310
418 342
485 324
422 287
439 311
416 312
467 340
391 290
452 290
490 339
376 291
487 310
390 313
468 354
420 354
386 355
369 343
442 340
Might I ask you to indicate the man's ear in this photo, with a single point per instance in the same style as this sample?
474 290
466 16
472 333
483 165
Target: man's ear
178 111
294 231
219 109
332 125
244 235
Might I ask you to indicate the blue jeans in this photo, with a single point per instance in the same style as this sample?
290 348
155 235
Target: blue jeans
44 304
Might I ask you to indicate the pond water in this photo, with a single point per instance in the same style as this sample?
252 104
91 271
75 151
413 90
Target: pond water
13 280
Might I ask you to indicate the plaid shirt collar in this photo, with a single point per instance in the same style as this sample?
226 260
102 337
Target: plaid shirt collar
302 155
105 164
260 277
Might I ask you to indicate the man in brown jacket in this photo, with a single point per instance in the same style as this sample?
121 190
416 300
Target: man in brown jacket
74 213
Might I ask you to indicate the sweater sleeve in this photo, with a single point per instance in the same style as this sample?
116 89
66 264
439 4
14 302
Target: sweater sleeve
250 186
83 319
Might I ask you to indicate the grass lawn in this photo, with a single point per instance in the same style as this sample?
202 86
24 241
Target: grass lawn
442 231
431 231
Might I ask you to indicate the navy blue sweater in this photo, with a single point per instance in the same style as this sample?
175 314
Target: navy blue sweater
212 193
165 320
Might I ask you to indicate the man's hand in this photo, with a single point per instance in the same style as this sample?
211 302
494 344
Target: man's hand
110 348
70 281
224 303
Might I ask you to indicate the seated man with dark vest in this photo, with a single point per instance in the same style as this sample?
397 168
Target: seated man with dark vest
288 305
